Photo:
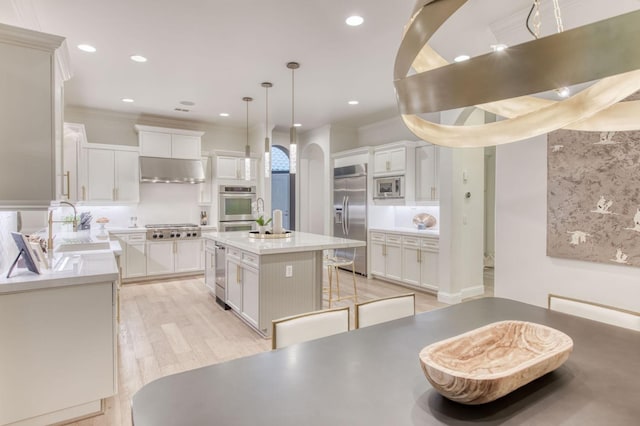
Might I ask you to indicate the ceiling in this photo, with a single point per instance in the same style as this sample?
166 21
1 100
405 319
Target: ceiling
215 52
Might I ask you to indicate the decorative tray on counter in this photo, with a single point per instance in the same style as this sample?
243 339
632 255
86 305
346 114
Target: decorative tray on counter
268 236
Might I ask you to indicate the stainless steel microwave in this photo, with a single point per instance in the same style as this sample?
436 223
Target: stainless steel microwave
388 187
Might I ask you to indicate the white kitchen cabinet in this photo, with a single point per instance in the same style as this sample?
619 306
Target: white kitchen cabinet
390 161
160 257
188 255
112 175
210 266
169 143
32 71
426 159
69 178
233 168
386 256
234 281
405 258
134 254
243 290
59 352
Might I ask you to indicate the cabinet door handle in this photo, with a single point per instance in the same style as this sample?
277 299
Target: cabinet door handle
418 255
433 192
388 165
113 194
67 175
238 274
84 193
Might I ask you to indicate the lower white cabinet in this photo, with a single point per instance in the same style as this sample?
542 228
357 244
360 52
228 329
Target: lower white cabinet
134 254
58 355
160 257
188 255
386 255
243 278
405 258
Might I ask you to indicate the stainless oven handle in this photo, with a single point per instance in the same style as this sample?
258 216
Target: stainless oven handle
347 216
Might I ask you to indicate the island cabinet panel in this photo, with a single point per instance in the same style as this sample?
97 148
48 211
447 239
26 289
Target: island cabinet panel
234 284
250 295
282 296
57 349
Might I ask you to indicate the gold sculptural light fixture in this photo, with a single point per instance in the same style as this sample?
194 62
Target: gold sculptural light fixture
247 147
501 81
293 137
267 143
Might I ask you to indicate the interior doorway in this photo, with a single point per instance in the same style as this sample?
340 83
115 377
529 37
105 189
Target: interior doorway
282 186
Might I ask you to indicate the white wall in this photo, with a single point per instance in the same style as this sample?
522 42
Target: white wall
312 186
523 271
386 131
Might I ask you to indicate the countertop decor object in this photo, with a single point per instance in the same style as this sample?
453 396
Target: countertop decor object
424 221
487 363
268 235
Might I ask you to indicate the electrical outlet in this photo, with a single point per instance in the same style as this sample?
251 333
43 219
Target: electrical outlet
288 271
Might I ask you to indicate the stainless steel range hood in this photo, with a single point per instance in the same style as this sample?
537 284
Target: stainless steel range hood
171 170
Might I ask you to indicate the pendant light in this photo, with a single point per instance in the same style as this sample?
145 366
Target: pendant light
293 137
247 148
267 143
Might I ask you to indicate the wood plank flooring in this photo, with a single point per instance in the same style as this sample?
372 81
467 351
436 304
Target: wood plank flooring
175 325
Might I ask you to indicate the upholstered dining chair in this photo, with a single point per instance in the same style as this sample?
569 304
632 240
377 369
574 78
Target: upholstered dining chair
385 309
595 311
308 326
332 263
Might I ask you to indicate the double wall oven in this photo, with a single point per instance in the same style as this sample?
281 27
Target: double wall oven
236 203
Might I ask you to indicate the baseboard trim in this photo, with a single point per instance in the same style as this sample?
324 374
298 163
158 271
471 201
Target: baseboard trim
472 291
449 298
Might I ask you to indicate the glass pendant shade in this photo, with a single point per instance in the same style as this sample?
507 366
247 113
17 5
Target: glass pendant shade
293 143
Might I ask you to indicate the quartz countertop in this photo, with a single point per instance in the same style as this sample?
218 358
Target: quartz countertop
297 242
68 268
413 231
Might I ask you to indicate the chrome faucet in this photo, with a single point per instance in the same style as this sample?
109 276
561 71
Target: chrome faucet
51 222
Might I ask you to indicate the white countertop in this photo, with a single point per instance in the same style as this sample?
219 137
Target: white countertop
412 231
298 242
69 268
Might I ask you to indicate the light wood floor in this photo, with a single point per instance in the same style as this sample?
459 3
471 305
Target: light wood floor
175 325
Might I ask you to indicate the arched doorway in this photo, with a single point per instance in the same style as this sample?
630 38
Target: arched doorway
282 186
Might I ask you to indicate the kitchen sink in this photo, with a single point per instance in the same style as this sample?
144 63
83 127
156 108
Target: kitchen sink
82 244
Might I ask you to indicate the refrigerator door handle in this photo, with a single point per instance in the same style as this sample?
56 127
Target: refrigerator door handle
344 215
348 216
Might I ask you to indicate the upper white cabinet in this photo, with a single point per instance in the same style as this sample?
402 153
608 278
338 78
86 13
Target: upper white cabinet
68 176
206 188
169 143
234 168
112 175
390 161
32 71
426 159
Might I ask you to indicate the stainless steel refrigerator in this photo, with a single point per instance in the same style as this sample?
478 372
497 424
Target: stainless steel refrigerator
350 211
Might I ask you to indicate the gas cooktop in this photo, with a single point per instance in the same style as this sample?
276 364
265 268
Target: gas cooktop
167 231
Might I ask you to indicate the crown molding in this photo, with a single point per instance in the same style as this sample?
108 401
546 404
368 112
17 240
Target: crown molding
29 38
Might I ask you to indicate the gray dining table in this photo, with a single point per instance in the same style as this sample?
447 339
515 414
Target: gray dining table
372 376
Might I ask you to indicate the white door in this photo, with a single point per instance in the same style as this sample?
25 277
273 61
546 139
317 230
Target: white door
250 295
397 158
188 255
429 269
377 258
426 173
410 264
127 176
101 175
206 187
160 257
210 270
381 162
393 265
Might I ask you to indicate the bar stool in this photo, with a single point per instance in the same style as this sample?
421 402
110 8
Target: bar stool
332 263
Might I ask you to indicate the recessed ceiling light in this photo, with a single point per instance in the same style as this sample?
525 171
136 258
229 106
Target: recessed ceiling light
224 114
354 20
353 102
187 103
127 100
87 48
462 58
297 125
498 47
138 58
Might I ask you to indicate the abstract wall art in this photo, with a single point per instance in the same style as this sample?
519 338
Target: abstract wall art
593 204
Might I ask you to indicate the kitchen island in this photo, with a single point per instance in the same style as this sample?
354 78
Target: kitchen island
267 279
59 339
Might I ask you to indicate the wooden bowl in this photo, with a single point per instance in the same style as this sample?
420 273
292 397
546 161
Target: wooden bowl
487 363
